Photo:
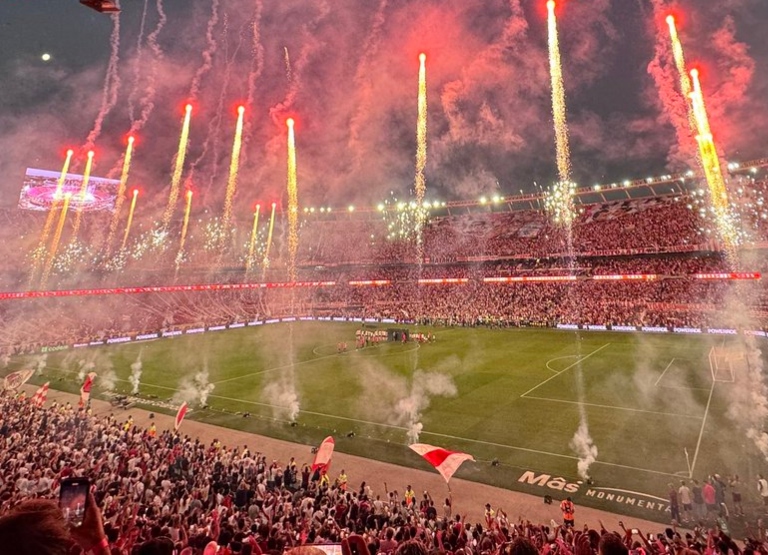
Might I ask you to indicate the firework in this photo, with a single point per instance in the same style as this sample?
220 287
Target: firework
184 228
679 56
420 183
234 166
561 195
178 169
293 204
690 87
121 192
38 255
269 239
254 234
56 240
711 166
130 218
81 196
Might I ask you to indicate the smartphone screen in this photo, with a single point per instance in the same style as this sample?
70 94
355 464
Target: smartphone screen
72 499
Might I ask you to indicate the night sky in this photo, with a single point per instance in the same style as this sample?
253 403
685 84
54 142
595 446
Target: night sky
352 87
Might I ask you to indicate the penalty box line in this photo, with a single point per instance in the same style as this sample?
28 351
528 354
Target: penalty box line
582 359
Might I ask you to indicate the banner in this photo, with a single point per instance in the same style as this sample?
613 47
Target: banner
445 462
324 454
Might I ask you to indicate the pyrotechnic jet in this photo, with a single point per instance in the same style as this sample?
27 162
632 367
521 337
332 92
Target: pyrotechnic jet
101 6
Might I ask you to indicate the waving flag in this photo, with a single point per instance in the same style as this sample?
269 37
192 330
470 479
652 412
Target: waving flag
85 390
182 412
38 399
15 380
446 462
324 454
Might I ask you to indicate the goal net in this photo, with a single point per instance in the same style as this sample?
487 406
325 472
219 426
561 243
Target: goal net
726 363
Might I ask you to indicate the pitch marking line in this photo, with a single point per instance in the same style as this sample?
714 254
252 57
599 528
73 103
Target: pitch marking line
558 358
435 434
582 359
613 407
459 438
701 432
664 372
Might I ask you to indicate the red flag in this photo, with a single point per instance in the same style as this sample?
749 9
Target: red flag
15 380
446 462
38 399
324 454
180 416
85 390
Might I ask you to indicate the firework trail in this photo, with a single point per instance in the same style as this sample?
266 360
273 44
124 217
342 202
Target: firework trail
269 242
39 255
184 228
111 83
710 163
56 241
254 235
561 198
210 50
288 71
120 193
420 183
216 121
293 204
147 102
181 154
363 81
130 218
311 44
698 119
81 196
135 377
137 63
257 66
234 167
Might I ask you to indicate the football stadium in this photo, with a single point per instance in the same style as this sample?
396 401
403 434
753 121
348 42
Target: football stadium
289 262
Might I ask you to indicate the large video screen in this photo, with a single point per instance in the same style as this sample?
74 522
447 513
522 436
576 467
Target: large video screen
39 191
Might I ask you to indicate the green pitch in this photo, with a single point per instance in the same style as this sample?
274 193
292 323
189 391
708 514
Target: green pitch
648 399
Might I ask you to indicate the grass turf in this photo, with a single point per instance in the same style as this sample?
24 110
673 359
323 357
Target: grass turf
519 398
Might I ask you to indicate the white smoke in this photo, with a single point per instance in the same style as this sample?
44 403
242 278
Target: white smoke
583 445
195 389
284 399
111 82
40 362
84 367
424 386
5 360
135 377
107 380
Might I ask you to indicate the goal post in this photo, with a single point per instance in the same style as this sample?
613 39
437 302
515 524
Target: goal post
726 362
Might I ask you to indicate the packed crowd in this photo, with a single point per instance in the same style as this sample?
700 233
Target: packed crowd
164 493
675 299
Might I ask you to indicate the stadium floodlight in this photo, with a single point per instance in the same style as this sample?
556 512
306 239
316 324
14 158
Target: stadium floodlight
351 208
483 200
597 187
380 207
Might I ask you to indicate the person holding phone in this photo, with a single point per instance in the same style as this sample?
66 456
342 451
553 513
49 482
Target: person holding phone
38 527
